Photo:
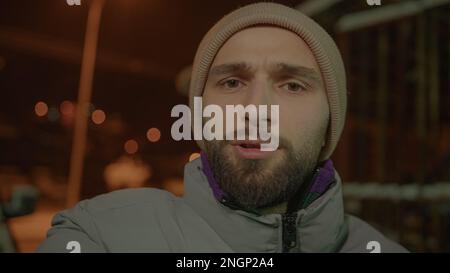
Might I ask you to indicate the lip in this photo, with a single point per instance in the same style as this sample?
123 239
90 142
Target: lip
251 152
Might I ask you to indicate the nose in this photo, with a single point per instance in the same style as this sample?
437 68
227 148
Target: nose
259 94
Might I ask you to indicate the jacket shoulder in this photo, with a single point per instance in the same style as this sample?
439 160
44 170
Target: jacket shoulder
127 198
93 223
364 238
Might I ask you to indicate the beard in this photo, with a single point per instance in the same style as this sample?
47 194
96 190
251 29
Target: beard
259 183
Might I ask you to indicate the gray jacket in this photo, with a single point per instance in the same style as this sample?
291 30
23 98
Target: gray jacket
152 220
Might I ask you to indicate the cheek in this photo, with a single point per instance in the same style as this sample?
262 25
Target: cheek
303 120
213 96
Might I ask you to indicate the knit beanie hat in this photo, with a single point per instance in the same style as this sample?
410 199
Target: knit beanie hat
320 43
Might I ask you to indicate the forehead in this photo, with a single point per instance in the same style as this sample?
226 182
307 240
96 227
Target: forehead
262 45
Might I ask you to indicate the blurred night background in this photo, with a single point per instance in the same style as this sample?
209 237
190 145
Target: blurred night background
394 155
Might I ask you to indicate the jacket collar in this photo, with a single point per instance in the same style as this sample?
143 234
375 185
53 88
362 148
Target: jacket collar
320 226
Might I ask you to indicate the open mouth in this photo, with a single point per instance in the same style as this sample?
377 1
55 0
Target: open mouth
250 145
250 149
247 144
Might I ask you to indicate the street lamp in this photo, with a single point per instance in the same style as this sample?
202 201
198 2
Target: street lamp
84 98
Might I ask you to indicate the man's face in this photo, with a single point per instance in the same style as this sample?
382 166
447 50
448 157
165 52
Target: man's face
266 65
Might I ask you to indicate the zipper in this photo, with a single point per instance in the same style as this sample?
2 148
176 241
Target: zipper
289 235
289 226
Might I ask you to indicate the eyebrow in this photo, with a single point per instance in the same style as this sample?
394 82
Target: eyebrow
229 68
298 70
278 68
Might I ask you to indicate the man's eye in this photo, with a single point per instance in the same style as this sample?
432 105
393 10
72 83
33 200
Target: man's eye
293 87
231 83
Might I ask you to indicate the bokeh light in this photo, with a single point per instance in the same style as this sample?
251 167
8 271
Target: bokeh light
153 134
53 114
131 146
98 117
41 109
67 108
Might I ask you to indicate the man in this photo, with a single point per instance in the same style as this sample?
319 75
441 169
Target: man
237 197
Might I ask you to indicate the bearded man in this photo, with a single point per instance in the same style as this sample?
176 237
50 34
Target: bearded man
239 198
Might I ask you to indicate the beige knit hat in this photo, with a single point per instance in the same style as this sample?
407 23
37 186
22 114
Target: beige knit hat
321 44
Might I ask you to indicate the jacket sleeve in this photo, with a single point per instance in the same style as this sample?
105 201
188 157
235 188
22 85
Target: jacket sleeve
73 231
